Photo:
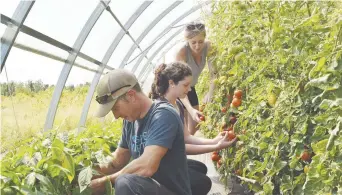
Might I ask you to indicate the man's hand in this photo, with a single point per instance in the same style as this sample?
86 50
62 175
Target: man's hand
195 114
224 143
98 185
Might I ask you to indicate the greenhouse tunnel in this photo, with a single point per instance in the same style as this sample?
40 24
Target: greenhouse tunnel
105 18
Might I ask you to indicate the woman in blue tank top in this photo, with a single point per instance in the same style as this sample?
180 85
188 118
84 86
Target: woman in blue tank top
194 53
171 82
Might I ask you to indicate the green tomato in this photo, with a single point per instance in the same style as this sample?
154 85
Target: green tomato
240 56
257 50
235 49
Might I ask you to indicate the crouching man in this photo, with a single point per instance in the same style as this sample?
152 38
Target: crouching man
152 136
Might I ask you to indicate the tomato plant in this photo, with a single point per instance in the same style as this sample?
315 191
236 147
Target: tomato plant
291 76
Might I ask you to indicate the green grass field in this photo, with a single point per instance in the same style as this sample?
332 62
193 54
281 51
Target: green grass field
23 115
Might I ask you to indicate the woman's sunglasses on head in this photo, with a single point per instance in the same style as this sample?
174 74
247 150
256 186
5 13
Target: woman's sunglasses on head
198 26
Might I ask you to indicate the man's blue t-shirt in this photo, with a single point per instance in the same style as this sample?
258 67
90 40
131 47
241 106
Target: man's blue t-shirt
161 126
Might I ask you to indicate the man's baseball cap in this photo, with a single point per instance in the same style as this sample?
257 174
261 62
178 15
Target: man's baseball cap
111 86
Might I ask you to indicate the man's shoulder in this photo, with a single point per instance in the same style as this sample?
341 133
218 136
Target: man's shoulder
164 106
166 112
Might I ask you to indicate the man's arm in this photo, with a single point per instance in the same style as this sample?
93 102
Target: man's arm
162 132
146 165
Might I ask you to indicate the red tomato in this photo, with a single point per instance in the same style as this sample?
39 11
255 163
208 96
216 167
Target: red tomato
305 156
238 94
215 157
236 102
231 135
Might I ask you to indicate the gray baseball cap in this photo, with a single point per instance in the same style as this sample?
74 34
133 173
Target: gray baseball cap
111 86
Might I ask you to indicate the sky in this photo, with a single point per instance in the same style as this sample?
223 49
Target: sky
63 20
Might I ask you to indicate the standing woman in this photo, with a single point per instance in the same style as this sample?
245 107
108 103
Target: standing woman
171 82
194 53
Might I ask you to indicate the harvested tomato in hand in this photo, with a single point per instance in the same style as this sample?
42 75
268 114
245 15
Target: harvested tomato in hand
202 118
231 135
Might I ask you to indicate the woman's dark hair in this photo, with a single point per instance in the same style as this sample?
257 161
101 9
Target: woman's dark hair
175 71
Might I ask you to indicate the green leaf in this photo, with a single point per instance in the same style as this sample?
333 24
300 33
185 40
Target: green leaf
53 169
304 128
46 182
279 165
76 191
268 188
318 134
286 183
84 178
13 177
263 145
41 162
333 135
319 147
57 153
323 83
326 104
30 179
294 162
268 134
68 163
58 143
317 68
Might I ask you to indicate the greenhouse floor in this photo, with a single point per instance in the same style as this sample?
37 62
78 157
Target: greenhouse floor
217 186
